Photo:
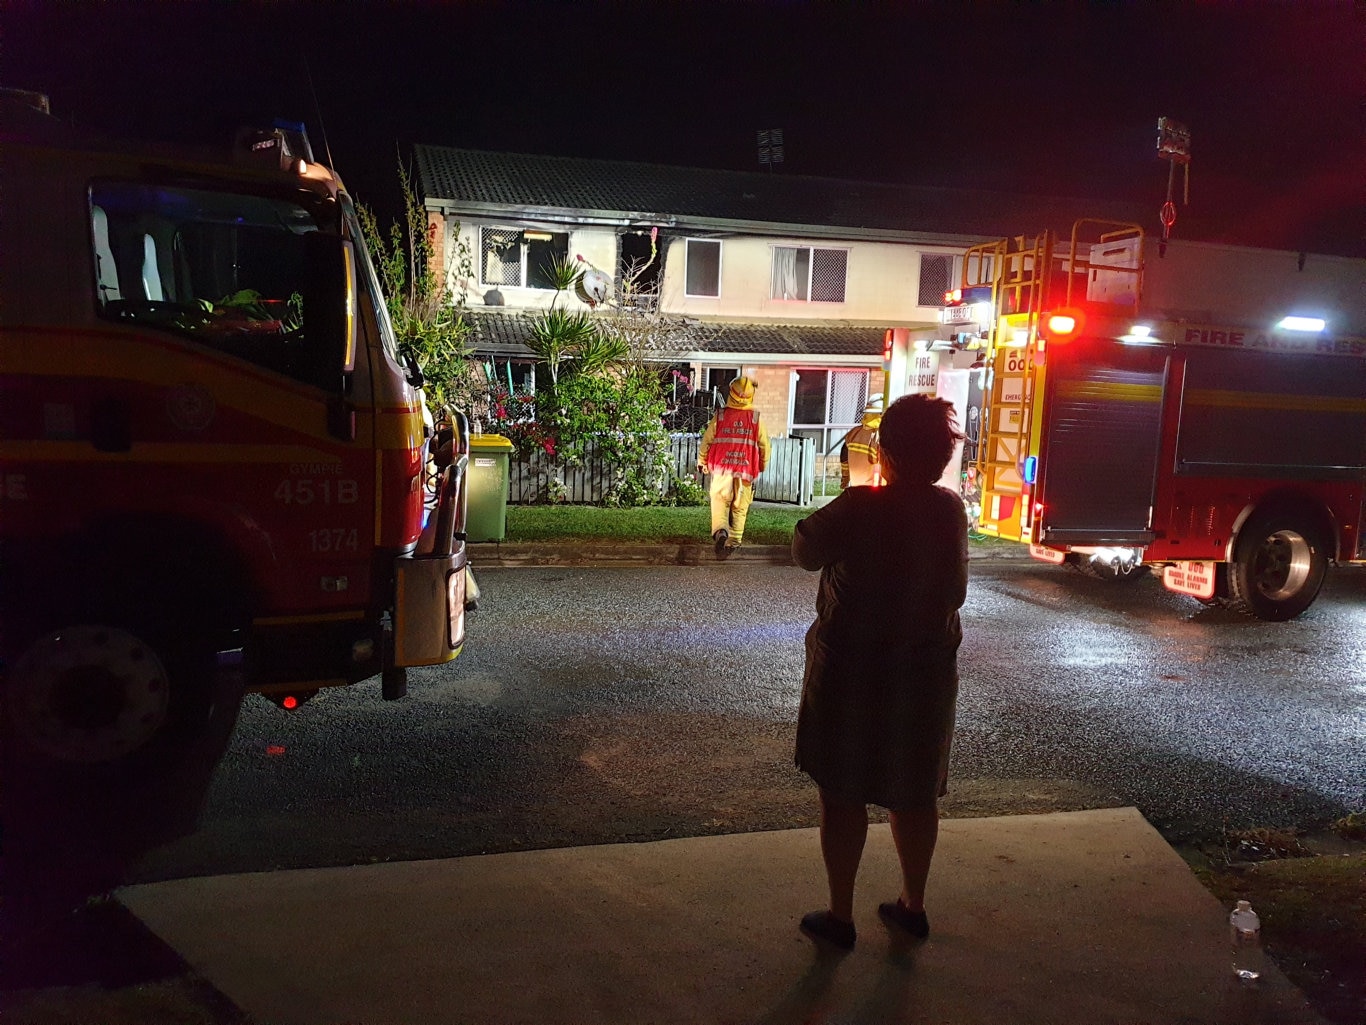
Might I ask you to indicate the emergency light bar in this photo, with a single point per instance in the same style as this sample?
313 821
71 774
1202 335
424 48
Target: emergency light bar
1302 324
967 306
284 146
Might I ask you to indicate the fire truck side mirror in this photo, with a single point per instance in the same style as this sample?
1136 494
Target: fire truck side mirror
330 308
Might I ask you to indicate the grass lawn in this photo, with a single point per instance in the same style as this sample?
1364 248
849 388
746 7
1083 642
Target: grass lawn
1313 912
660 525
767 525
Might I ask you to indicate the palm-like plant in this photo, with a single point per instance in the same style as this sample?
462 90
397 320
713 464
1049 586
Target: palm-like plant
559 336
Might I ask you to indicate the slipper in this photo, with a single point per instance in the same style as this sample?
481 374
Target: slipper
822 925
913 922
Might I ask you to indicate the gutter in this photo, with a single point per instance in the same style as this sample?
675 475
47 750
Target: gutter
549 217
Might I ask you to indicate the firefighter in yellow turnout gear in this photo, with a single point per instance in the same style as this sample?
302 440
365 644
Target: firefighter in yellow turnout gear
860 461
734 450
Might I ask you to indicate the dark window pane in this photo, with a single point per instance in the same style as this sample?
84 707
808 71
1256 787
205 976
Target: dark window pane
808 406
720 377
803 273
704 268
934 279
541 255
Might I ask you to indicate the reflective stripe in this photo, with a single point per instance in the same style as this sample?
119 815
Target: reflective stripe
1115 391
399 427
735 444
862 454
161 452
105 355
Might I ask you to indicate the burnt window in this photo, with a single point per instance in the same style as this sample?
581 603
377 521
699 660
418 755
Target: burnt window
520 257
704 268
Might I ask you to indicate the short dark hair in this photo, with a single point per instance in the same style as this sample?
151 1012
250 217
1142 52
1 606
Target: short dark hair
917 437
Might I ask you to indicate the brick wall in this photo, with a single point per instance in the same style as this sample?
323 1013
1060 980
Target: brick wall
436 231
770 397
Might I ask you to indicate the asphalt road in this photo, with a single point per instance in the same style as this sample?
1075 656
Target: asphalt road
605 705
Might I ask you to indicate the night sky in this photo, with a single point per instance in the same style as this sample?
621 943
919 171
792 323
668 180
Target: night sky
1051 98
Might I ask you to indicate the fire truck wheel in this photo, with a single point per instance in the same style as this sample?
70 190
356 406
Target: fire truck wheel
1278 567
94 694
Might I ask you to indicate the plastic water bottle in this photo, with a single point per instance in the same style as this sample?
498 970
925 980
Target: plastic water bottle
1245 930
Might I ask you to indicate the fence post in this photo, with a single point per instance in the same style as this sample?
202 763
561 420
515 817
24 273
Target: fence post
808 471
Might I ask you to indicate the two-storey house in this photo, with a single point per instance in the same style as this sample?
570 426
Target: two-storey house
790 280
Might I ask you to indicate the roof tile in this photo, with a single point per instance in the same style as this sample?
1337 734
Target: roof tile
658 193
505 334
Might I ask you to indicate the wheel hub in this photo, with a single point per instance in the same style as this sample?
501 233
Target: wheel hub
1282 565
89 694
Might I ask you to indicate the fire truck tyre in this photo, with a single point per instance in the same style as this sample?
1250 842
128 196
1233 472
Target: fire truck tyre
94 694
1278 567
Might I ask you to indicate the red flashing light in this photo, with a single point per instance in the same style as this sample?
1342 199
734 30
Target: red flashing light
274 750
290 702
1065 324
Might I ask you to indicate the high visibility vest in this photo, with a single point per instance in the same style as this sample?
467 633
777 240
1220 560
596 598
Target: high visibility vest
735 445
861 456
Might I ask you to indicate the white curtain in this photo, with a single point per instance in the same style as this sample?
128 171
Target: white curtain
848 395
784 273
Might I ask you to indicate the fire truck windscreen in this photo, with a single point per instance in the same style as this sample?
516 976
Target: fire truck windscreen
229 269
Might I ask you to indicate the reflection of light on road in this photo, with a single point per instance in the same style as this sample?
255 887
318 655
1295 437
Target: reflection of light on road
1092 644
760 633
432 686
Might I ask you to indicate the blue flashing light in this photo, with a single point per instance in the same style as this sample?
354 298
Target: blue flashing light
1031 468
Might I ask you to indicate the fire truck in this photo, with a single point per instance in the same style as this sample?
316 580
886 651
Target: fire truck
1187 406
213 459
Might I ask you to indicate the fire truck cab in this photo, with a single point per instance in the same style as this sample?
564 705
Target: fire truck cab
213 459
1192 407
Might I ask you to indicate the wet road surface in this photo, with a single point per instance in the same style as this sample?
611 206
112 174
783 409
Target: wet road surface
607 705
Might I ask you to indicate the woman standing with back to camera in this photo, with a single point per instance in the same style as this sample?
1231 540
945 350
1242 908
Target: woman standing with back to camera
881 679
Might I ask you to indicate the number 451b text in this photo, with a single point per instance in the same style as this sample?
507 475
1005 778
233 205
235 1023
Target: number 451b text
323 492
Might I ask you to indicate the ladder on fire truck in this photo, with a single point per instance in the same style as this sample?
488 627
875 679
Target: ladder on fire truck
1028 277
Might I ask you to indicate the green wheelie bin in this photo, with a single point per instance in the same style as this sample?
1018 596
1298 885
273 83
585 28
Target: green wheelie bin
486 506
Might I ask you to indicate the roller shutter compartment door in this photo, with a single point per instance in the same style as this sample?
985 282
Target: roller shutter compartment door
1101 442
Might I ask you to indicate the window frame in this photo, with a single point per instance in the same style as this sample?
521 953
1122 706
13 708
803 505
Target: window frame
831 432
687 260
523 255
810 274
953 265
168 275
368 283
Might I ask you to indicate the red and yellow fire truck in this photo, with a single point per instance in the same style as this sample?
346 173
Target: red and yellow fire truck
212 457
1195 407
